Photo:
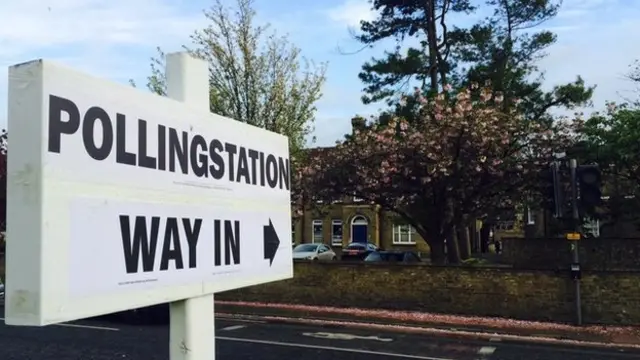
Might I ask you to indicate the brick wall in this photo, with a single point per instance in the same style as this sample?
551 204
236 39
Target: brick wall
595 254
529 295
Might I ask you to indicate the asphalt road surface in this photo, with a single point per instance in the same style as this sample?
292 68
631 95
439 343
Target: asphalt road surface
243 340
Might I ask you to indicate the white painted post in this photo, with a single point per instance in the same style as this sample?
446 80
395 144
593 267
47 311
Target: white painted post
192 328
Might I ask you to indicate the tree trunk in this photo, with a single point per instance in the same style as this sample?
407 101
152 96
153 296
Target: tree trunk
453 252
303 219
474 239
436 253
436 245
463 243
432 40
484 238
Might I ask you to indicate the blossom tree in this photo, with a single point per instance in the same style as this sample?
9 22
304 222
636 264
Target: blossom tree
463 156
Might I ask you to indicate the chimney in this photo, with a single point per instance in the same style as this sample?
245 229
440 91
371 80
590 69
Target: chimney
358 123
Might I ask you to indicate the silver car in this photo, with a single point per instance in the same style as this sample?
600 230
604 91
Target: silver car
316 252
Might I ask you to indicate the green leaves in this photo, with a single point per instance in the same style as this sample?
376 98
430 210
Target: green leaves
502 49
256 76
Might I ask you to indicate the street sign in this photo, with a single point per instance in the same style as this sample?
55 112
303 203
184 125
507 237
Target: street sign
573 236
120 199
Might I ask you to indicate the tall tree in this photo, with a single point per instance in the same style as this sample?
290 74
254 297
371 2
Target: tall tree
610 139
428 63
633 75
256 76
502 48
459 159
505 47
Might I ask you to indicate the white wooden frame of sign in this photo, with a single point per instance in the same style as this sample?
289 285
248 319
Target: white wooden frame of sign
65 254
192 324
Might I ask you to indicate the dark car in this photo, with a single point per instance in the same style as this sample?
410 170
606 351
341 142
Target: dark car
358 251
150 315
393 256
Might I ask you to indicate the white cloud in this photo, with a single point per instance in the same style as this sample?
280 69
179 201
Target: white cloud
351 12
108 38
30 25
599 53
574 9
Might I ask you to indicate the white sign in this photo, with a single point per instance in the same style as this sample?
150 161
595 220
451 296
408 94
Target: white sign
119 199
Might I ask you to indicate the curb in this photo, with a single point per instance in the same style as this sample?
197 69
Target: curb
486 335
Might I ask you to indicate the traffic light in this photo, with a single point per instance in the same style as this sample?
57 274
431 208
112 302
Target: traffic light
552 190
590 182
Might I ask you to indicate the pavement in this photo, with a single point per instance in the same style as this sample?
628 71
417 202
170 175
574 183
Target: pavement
241 339
436 324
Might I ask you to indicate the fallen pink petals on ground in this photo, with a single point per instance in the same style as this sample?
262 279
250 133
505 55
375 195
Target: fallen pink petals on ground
446 332
630 334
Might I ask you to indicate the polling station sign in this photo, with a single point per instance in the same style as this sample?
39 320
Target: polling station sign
120 198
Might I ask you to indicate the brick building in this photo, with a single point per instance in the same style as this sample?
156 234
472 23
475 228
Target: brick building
352 220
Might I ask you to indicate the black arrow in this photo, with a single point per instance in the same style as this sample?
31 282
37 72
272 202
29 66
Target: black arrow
271 242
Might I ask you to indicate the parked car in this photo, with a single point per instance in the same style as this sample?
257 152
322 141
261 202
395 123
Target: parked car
358 251
393 256
318 252
150 315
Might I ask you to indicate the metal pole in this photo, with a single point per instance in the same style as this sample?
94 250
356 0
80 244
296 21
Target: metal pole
575 252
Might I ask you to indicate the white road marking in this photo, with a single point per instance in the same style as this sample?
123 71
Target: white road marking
81 326
339 336
233 327
88 327
331 348
486 350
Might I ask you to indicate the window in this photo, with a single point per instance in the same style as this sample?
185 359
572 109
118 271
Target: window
506 225
316 231
336 232
531 218
305 248
404 235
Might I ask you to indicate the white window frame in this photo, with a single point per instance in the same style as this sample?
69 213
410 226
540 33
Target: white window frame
531 219
403 229
335 241
314 223
506 225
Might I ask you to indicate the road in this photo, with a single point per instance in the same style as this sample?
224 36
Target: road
243 340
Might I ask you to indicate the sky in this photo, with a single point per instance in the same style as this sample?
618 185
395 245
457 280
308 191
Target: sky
115 39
